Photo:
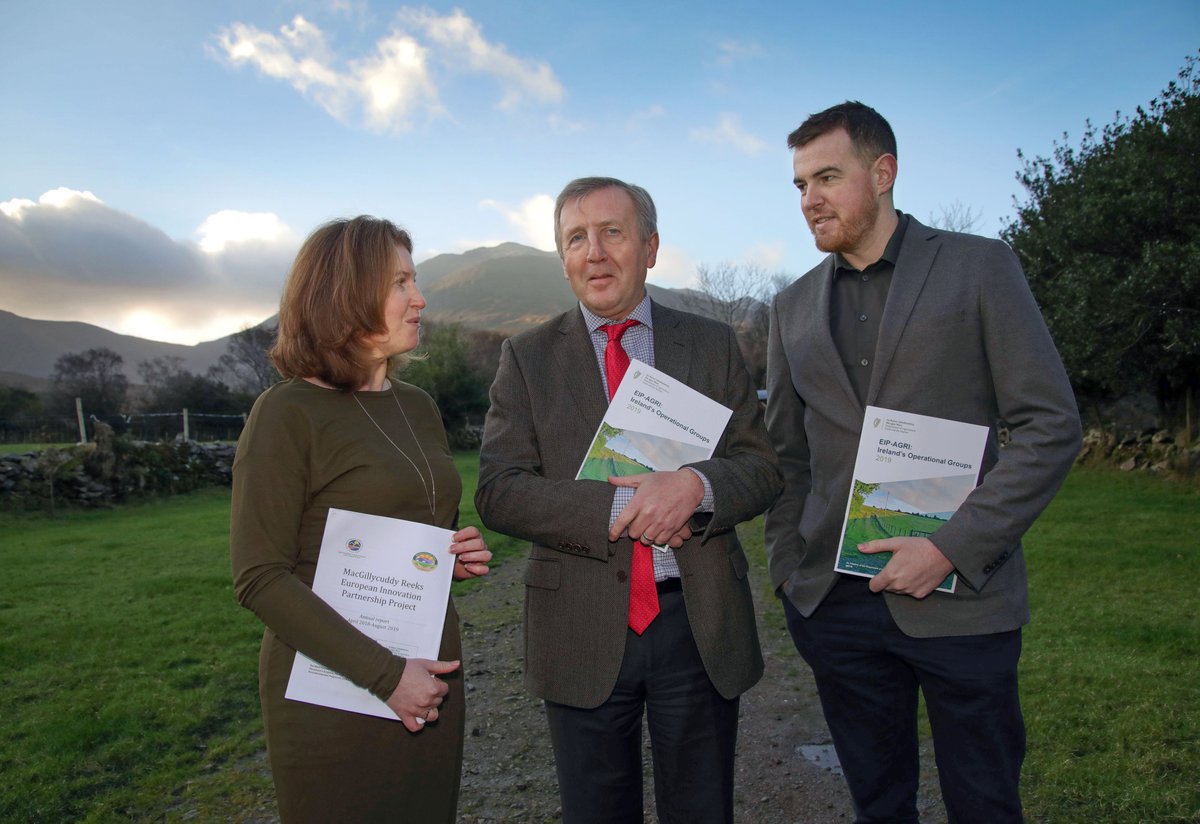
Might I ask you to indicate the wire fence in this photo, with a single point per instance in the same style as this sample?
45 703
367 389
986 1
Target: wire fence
145 426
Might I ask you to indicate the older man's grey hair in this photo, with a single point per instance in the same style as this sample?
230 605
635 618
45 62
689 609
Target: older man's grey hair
643 204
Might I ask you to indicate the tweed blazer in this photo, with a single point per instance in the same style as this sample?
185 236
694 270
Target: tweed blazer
960 338
546 403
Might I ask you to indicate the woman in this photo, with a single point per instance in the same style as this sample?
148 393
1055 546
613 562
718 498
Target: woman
337 432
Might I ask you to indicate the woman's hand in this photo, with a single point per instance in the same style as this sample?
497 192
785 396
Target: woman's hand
471 554
420 692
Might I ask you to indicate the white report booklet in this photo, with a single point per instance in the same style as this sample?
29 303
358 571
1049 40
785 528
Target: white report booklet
391 579
654 423
912 472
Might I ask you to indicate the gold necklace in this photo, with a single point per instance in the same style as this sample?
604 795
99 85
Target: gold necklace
431 499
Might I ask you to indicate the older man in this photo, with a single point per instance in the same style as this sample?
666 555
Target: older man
683 646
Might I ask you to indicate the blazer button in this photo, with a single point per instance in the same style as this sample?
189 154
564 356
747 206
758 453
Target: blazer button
621 576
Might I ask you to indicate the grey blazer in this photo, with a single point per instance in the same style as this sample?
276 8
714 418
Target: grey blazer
960 338
546 402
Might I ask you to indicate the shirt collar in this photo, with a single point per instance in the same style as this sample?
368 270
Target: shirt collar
641 313
891 252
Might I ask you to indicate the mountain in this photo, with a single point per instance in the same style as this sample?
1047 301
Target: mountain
515 288
506 288
30 347
434 269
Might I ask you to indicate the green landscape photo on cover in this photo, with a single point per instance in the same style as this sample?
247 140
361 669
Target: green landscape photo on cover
912 508
623 452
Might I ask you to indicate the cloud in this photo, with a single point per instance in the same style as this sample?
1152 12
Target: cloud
226 227
561 125
462 44
673 268
642 116
70 256
59 198
390 87
386 87
729 132
766 256
533 219
735 51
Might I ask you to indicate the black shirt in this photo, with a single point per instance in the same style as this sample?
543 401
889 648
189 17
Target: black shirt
856 307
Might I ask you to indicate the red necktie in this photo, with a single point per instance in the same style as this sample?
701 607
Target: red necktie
643 596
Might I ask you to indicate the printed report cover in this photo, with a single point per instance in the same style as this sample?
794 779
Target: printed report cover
912 472
654 423
391 579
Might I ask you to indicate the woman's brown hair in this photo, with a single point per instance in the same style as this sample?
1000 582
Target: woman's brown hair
334 296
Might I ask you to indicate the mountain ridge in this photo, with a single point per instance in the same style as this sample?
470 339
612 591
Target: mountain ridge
506 288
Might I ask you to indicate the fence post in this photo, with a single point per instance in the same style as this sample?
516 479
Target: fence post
186 434
79 418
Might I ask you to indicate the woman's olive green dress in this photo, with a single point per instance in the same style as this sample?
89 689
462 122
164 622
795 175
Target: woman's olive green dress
304 450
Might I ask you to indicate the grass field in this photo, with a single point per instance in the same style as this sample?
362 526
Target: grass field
1111 666
122 661
20 448
127 670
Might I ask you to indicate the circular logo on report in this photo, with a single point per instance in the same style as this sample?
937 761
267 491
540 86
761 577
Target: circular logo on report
354 545
425 561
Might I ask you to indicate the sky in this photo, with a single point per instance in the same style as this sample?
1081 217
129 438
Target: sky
162 161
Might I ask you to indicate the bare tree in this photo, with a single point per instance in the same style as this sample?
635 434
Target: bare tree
957 217
245 361
728 291
739 295
170 387
95 376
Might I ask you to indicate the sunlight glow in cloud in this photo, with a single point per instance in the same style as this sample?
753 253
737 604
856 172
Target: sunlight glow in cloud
533 219
155 324
394 82
392 85
729 132
70 256
227 226
463 42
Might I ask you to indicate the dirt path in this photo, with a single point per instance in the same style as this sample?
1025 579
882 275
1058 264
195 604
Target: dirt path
508 771
784 773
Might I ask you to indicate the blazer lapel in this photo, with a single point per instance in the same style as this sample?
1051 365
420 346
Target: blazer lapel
822 330
671 353
575 362
917 254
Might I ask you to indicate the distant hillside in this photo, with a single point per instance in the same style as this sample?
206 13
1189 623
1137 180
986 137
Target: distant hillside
437 267
30 347
510 291
506 288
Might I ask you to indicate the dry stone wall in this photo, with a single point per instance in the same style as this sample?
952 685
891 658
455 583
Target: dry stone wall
109 472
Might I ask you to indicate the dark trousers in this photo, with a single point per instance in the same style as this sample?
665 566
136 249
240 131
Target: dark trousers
693 734
868 673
